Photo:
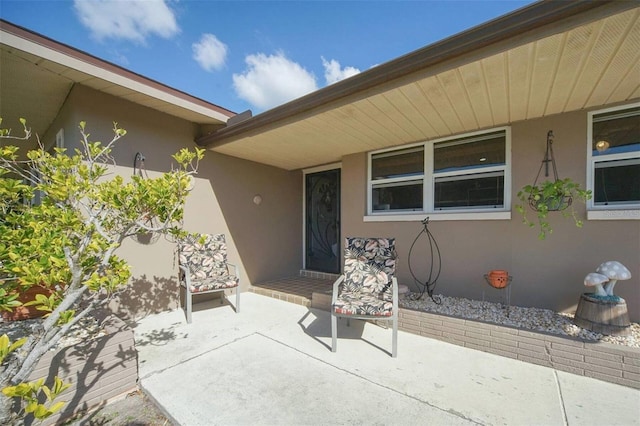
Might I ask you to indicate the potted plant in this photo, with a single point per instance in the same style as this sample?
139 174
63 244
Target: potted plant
71 238
25 303
557 195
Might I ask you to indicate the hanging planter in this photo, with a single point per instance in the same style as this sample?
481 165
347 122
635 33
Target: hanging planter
550 195
554 197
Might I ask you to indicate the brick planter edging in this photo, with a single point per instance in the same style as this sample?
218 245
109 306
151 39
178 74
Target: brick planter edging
603 361
99 370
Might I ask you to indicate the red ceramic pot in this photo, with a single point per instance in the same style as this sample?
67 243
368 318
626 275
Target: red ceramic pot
498 278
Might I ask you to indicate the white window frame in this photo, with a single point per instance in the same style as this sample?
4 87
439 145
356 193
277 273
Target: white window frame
428 180
394 180
614 211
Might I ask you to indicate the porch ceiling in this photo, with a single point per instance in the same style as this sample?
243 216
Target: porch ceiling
573 64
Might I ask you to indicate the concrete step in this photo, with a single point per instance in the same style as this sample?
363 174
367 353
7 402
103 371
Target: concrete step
321 300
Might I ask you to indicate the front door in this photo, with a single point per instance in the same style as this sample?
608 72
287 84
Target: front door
322 221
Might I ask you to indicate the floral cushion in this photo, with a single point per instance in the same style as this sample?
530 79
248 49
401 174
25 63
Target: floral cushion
369 266
214 283
207 263
364 304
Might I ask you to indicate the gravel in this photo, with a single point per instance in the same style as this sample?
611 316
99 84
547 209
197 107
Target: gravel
86 329
535 319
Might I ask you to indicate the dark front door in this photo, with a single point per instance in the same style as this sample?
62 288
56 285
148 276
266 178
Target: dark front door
322 245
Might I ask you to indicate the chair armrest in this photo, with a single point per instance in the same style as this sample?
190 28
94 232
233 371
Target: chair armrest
336 286
236 270
185 269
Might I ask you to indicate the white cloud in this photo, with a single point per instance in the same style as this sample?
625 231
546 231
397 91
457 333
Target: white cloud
272 80
333 73
120 58
209 52
133 20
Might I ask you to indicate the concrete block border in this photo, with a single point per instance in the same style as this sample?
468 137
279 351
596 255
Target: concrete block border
100 370
603 361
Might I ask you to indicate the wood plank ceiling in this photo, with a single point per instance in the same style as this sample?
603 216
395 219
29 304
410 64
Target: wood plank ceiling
587 66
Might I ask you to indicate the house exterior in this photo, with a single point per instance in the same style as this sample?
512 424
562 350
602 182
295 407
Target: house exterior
451 132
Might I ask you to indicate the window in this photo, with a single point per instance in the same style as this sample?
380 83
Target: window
614 157
397 179
453 175
469 173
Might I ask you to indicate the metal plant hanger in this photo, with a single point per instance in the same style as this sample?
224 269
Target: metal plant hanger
549 158
145 236
435 262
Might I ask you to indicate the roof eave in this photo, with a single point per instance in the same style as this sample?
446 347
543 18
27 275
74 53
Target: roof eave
23 39
529 18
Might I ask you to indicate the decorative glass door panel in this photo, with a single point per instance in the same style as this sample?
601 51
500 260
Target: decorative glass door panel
322 245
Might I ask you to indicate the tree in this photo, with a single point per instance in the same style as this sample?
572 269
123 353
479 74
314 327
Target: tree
67 242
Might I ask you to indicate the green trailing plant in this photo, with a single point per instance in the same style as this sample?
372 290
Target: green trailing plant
548 196
67 242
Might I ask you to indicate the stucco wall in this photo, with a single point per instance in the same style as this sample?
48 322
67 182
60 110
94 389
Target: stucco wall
546 273
264 240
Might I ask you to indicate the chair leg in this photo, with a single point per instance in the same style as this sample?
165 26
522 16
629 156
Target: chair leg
334 332
189 304
394 343
237 299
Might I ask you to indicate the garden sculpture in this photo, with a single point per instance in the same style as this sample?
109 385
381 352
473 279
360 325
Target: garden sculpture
606 277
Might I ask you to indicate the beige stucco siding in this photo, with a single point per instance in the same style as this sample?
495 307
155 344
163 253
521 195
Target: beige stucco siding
266 239
263 240
546 273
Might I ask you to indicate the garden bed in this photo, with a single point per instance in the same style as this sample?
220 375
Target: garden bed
100 365
537 336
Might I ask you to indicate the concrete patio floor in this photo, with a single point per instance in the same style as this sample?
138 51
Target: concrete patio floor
271 364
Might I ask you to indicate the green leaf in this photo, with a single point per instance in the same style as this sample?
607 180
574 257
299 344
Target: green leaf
41 412
47 392
56 407
17 344
31 407
59 386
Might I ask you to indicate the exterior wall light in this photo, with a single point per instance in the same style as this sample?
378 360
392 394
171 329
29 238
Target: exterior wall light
257 199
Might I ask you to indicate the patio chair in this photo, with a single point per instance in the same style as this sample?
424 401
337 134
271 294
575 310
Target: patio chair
204 269
367 289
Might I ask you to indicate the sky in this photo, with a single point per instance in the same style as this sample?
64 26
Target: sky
253 55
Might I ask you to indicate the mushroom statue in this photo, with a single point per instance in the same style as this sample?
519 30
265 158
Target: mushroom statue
602 311
614 271
596 280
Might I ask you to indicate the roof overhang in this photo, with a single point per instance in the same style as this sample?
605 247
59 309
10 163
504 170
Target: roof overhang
544 59
37 73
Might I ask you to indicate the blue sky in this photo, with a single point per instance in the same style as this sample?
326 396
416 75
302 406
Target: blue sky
249 54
